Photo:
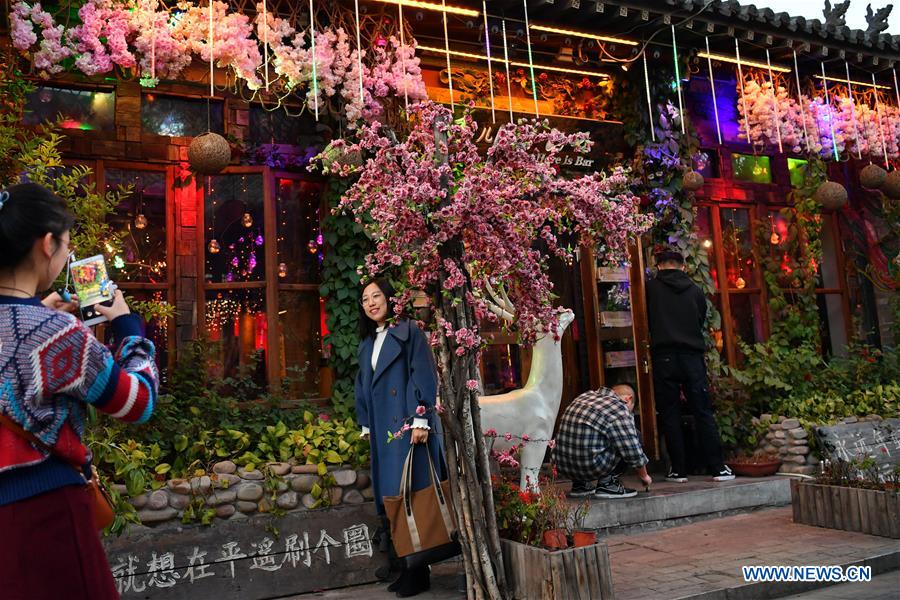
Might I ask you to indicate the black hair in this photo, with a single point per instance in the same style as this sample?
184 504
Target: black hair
367 326
30 212
669 255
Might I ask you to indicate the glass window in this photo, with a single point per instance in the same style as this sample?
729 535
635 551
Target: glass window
180 117
87 110
156 330
141 217
737 245
234 239
277 127
703 227
501 368
301 320
707 164
300 243
746 320
236 328
755 169
797 170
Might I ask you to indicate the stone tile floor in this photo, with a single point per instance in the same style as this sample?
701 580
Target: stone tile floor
704 557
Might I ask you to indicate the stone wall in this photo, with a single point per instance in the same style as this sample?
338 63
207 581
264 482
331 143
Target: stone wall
790 441
235 493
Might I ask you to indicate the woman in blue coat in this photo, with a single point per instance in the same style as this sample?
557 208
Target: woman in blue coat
396 376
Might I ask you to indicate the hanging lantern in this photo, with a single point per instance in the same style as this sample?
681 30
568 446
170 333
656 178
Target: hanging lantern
209 153
247 220
214 246
282 270
140 221
891 185
831 195
692 181
872 177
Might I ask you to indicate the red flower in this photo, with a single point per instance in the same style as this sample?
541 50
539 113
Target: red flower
807 377
543 77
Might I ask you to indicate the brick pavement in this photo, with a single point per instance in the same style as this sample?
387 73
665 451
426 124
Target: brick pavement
700 559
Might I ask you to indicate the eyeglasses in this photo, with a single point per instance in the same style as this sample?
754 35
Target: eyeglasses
370 299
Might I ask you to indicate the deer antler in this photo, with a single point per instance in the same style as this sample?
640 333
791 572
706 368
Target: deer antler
501 305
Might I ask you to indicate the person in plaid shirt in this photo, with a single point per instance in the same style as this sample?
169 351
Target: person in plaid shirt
597 440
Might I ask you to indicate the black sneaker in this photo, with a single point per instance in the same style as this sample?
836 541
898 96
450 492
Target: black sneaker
676 477
613 488
724 474
581 490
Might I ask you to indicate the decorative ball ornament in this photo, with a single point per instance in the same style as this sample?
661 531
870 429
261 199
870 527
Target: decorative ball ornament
140 221
214 246
891 185
872 177
774 239
692 181
739 283
312 247
831 195
282 270
247 220
209 153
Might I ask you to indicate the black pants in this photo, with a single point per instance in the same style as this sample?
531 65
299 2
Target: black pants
672 374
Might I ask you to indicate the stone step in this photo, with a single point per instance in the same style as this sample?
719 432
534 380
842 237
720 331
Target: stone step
669 504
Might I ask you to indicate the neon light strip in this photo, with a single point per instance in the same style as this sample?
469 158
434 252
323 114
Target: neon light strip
649 103
266 41
312 33
853 113
447 52
403 61
678 81
456 10
589 36
359 52
212 60
775 103
880 128
749 63
508 82
712 85
513 63
531 60
839 80
737 54
802 110
830 115
487 45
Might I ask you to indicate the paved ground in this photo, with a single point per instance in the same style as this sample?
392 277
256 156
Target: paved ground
882 587
706 558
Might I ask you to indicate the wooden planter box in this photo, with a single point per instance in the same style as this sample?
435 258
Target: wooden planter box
851 509
535 573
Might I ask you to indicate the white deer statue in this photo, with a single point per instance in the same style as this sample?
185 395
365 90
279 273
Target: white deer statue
529 411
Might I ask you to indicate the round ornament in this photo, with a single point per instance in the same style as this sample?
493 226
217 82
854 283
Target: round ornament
692 181
891 185
831 195
140 221
247 220
209 153
214 246
872 177
740 283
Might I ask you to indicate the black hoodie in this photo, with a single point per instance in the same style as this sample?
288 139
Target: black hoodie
676 308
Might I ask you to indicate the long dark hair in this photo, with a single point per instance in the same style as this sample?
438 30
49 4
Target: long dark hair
29 212
367 326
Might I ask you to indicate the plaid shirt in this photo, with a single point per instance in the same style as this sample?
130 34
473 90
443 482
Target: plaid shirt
597 430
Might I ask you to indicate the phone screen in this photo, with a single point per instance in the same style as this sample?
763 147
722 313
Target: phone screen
91 282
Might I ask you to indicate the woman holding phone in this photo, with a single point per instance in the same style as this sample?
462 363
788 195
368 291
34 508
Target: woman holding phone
51 369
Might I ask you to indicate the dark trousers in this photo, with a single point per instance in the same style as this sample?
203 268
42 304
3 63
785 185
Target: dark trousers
672 374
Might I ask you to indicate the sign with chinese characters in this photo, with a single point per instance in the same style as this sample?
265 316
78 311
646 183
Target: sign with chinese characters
878 440
620 358
252 558
615 318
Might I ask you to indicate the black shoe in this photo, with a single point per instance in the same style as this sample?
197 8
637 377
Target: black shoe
676 477
397 583
414 582
581 490
723 474
613 488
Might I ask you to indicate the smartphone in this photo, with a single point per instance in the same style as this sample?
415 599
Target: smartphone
91 282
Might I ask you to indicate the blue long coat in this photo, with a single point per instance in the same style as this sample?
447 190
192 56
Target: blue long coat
404 378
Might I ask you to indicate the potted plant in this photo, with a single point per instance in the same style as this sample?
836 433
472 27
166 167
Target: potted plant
758 463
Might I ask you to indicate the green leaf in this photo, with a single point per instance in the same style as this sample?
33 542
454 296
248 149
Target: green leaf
322 468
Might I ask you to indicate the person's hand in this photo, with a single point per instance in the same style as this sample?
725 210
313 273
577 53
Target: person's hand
56 302
119 307
419 435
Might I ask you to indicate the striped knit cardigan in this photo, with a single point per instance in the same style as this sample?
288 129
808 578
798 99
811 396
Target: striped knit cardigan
51 368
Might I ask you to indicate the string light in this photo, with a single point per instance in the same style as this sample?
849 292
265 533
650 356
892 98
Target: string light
678 81
775 103
880 127
266 41
315 78
830 115
649 103
712 85
508 62
509 82
737 54
839 80
589 36
487 45
531 60
748 63
802 110
447 53
442 7
853 112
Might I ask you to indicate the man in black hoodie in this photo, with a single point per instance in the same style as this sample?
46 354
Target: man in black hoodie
676 307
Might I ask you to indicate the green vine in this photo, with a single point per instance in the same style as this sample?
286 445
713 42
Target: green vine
347 246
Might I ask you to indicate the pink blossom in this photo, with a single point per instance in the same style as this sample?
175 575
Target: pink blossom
420 410
472 384
525 437
491 432
507 436
551 444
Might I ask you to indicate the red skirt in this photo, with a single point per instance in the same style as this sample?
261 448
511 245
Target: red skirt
50 549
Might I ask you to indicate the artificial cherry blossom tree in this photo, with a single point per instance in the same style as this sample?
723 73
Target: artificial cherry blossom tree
450 221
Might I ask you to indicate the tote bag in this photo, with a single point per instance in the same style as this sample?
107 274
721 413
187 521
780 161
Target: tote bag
423 527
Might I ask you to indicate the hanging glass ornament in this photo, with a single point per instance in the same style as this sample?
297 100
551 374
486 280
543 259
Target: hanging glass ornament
312 247
775 239
739 283
140 221
247 220
214 246
282 270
